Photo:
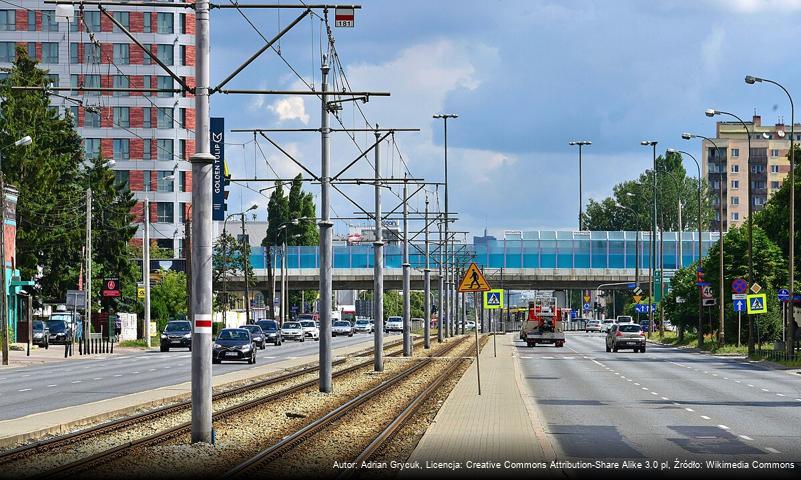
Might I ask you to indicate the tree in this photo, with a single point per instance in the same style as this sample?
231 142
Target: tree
228 259
168 297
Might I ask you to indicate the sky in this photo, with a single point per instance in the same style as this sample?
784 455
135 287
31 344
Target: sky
525 77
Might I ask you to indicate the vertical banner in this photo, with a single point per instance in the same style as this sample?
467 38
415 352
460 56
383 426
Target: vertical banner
217 136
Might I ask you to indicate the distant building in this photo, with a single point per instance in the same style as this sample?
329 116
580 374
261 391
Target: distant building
365 235
727 169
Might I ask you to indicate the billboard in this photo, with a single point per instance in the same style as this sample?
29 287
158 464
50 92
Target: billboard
217 138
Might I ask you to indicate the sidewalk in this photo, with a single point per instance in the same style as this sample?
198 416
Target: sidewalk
500 425
55 354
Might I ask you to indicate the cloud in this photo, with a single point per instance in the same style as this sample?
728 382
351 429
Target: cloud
754 6
712 49
290 108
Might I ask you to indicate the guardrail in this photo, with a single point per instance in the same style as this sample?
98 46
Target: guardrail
776 355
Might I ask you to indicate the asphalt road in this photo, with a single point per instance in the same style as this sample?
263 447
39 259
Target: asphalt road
664 404
28 390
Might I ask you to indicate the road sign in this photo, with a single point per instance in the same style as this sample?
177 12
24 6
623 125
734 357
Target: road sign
643 308
493 299
739 285
637 298
140 292
632 285
756 288
111 287
586 307
473 281
344 17
637 290
708 302
586 298
706 292
739 305
738 296
757 304
784 295
76 299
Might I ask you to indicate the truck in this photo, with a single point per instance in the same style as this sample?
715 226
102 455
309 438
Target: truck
543 323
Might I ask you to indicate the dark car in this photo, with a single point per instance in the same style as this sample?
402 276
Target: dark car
41 334
272 333
257 335
58 331
233 344
177 334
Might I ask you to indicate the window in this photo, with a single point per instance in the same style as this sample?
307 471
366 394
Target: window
759 201
146 27
147 150
91 119
92 20
92 81
775 185
165 181
164 23
146 83
182 21
31 20
182 117
735 216
91 53
50 52
122 117
735 200
146 176
146 118
145 55
182 149
163 81
758 168
182 212
74 57
49 23
758 185
774 169
164 52
120 81
122 54
182 181
8 20
124 18
74 84
735 184
165 151
183 55
735 152
164 118
164 212
32 49
91 148
774 152
53 79
7 53
122 149
74 113
121 178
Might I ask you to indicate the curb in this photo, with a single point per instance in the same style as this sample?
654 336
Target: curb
733 356
533 412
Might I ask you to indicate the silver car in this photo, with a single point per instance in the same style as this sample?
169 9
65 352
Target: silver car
394 324
293 331
364 325
311 329
341 327
625 335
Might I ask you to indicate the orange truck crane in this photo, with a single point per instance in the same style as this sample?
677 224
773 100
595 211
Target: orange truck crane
544 323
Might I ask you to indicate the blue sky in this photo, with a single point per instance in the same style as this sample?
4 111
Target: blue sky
525 77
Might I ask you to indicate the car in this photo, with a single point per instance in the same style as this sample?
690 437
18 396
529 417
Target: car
315 317
624 319
606 324
364 325
592 326
311 329
341 327
394 324
644 325
272 334
625 335
470 325
233 344
293 331
177 334
257 334
669 327
41 334
59 331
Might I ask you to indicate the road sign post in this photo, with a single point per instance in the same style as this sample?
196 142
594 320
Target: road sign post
475 282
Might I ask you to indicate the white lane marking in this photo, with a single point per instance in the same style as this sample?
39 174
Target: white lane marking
689 409
705 417
50 386
622 376
750 385
738 381
124 356
628 380
76 381
772 450
26 376
567 358
118 375
525 358
798 399
745 437
764 389
654 393
151 369
98 378
167 368
24 390
134 372
724 427
644 388
714 374
635 383
616 373
779 395
677 404
547 358
725 378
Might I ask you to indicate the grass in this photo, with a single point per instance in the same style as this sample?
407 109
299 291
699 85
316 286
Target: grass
691 339
154 341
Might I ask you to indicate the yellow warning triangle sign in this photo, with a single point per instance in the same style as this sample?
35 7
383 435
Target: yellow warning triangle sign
473 281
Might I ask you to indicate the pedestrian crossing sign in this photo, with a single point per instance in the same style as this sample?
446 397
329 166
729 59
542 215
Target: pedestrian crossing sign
757 304
493 299
473 281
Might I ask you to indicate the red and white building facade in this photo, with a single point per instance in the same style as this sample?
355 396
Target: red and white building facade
149 136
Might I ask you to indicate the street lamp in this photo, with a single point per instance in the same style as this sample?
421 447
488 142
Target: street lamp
225 264
721 313
700 298
636 240
790 324
580 144
22 142
652 255
711 112
444 311
284 270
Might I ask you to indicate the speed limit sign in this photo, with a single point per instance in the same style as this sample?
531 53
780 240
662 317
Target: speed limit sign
706 292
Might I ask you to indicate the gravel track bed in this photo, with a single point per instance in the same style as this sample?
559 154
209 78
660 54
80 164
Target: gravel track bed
241 436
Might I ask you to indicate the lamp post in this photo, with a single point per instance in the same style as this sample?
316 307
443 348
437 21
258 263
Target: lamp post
652 255
790 325
636 242
284 270
700 224
445 116
711 112
580 143
721 299
22 142
225 265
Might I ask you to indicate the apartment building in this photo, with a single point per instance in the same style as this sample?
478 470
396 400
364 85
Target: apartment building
727 168
149 136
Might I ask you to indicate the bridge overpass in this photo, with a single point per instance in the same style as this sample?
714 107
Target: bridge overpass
544 259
